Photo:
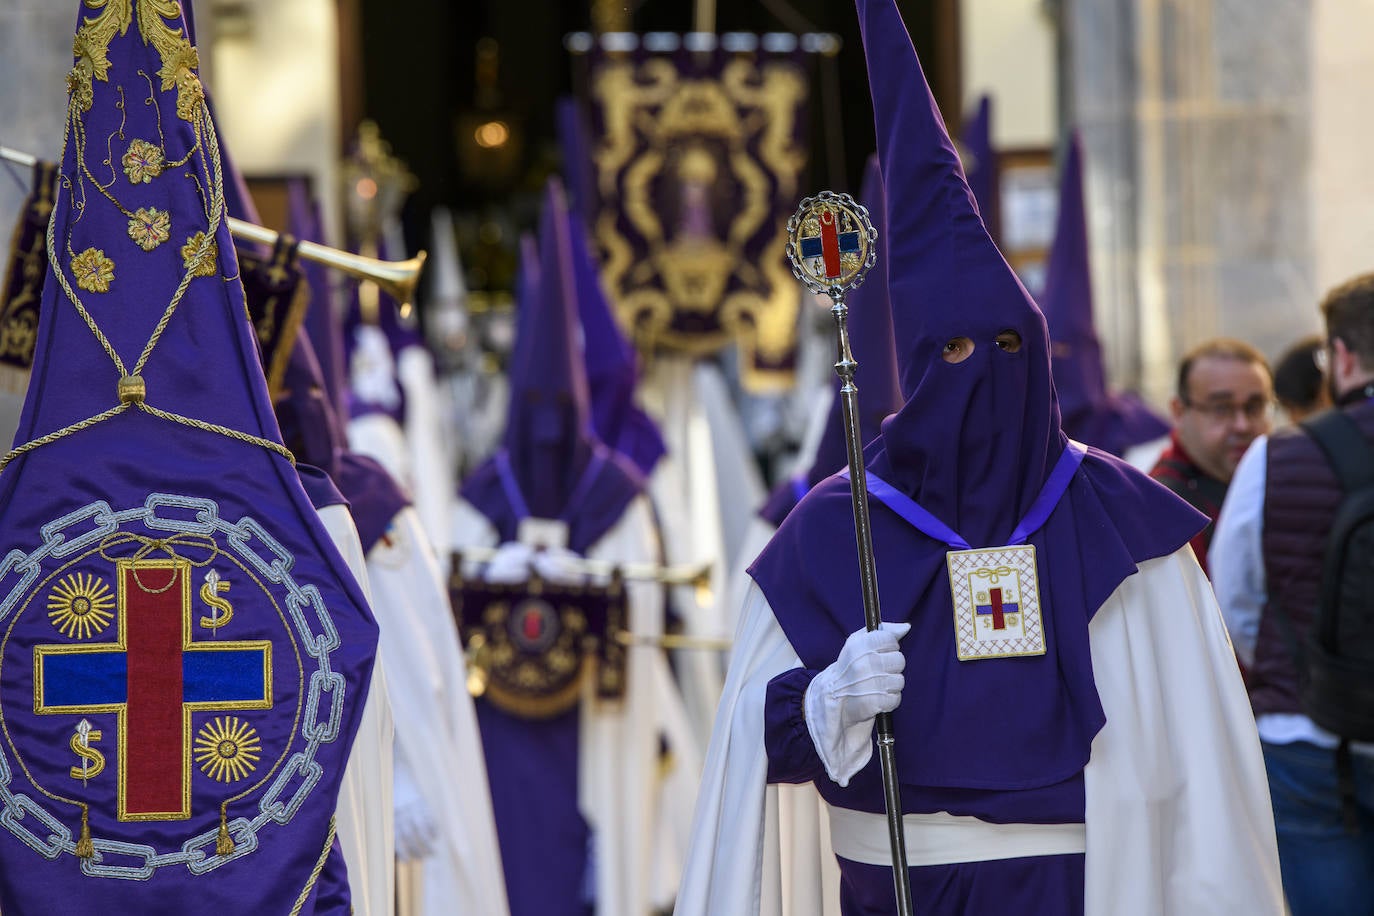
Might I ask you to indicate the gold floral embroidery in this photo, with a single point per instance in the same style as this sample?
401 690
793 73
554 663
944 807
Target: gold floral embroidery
142 161
150 227
93 271
200 254
91 44
180 62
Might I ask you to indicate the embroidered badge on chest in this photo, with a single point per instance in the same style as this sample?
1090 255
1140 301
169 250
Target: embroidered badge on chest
996 603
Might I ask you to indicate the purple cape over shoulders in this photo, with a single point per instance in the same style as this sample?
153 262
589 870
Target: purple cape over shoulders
1018 723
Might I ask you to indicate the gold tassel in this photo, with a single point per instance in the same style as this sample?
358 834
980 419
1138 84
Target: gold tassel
224 844
84 847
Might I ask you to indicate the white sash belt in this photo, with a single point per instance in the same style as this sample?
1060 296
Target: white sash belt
943 839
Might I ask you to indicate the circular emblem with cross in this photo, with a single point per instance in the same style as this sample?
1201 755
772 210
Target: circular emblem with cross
831 242
160 665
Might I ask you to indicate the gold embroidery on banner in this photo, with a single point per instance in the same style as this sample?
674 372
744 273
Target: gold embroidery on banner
93 760
200 255
663 130
90 47
227 750
80 606
142 161
150 227
93 271
111 541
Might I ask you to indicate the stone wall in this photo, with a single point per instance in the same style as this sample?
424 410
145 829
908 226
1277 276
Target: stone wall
1197 125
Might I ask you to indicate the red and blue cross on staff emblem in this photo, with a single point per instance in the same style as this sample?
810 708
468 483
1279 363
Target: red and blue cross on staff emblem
830 245
153 677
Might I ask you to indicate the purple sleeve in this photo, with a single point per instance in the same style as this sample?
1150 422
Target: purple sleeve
792 754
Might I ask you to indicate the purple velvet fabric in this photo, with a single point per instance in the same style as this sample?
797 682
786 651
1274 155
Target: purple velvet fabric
548 440
870 334
1090 414
973 445
139 488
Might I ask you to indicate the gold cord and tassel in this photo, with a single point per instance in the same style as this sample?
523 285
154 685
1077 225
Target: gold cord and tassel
85 849
224 845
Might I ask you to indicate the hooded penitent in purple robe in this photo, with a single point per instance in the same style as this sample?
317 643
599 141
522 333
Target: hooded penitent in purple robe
173 606
549 465
870 335
1113 423
973 448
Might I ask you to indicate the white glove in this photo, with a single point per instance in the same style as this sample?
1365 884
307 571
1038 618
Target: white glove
842 700
510 565
416 831
559 566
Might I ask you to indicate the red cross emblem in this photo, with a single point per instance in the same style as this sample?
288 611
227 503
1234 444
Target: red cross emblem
153 677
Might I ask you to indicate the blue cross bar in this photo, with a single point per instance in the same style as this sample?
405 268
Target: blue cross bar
811 244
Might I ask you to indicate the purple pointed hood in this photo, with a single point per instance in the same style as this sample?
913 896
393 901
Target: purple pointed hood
1090 414
973 445
155 474
550 463
577 157
981 167
611 365
548 428
870 334
947 281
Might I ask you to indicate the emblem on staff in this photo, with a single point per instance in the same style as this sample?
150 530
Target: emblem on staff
832 245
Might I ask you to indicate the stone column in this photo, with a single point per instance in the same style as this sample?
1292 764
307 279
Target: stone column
1197 117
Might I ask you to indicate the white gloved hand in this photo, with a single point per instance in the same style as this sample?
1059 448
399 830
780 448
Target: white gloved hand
416 830
510 565
559 566
843 699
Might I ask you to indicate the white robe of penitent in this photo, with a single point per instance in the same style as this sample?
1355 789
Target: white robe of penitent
1178 814
621 791
431 472
436 727
364 814
703 490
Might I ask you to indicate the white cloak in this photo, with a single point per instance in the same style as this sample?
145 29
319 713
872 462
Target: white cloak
1178 813
364 813
436 726
431 474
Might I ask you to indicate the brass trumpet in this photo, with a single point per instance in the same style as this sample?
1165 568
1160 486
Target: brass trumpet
395 278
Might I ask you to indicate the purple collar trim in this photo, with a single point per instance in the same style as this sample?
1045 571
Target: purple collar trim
1050 494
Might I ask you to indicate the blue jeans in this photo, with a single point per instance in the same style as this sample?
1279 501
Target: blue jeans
1326 869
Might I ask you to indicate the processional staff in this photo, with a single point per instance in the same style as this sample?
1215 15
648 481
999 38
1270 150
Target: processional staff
832 245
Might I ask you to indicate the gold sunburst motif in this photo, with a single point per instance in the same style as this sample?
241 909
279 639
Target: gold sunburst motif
227 750
80 606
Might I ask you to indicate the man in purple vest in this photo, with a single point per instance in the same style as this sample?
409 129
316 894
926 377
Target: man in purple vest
1268 556
1071 732
1225 399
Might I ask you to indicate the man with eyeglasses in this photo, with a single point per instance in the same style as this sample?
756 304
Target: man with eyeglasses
1268 562
1225 399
